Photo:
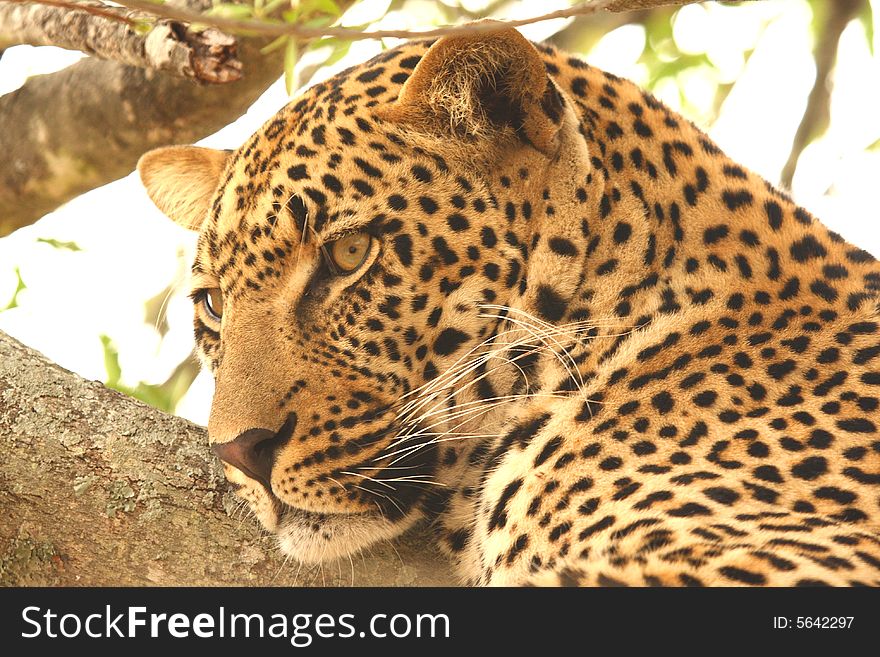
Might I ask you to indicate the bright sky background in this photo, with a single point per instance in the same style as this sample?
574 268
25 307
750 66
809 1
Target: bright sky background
131 253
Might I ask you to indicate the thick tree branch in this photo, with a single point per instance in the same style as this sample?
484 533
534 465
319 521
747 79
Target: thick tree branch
74 130
108 33
99 489
817 114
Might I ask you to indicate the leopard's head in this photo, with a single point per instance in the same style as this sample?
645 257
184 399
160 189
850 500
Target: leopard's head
349 258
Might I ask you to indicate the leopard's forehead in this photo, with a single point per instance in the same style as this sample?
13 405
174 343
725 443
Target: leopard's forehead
324 161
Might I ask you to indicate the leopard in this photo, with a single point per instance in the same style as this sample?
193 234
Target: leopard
477 284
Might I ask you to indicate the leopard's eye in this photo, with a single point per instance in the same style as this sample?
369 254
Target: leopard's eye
213 303
349 252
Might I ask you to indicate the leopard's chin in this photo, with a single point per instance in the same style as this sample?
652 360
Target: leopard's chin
314 538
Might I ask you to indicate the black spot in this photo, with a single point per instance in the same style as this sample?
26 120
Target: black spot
428 204
579 86
781 370
457 222
298 211
714 234
721 495
297 172
549 304
806 249
744 576
562 246
421 174
403 248
363 187
499 513
449 341
705 398
611 463
549 449
834 272
824 291
688 510
367 168
810 468
410 62
642 129
735 199
774 214
622 232
790 289
768 473
332 183
857 425
346 136
371 74
663 402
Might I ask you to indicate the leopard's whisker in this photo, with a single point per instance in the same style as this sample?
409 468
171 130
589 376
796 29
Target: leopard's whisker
544 336
467 368
368 478
406 451
453 391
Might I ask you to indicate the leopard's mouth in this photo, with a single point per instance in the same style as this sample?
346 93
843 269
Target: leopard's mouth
313 537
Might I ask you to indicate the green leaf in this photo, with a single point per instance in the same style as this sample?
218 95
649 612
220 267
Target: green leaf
152 394
142 26
13 303
866 17
164 396
111 362
319 21
675 67
339 52
274 45
291 54
68 246
323 6
228 10
273 5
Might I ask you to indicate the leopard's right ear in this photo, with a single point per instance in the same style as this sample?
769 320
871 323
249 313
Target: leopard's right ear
181 181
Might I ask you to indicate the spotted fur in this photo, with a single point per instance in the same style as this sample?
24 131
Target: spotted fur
585 344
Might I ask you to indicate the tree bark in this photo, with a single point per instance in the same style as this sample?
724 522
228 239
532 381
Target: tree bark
99 489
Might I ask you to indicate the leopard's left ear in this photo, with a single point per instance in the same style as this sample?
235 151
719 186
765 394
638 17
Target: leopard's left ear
181 181
477 85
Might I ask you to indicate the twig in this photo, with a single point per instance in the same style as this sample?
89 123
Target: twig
352 34
94 8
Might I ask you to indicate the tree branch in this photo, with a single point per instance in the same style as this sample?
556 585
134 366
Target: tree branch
74 130
108 33
817 114
99 489
351 34
71 131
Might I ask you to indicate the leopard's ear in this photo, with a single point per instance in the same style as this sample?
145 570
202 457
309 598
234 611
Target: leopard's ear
475 85
181 181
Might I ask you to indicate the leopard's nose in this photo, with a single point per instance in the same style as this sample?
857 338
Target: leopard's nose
253 452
